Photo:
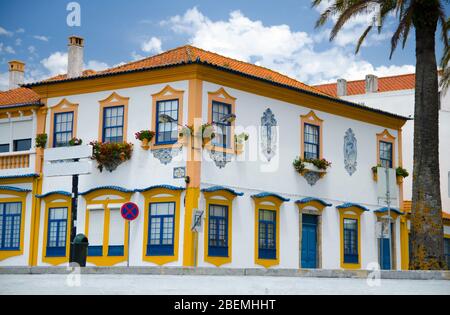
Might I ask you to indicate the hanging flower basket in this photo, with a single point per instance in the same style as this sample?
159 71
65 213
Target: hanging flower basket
239 142
207 132
185 135
145 136
75 141
374 172
304 166
401 173
41 140
110 155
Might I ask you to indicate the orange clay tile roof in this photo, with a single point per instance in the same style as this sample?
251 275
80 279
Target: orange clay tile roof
407 208
189 54
385 84
18 97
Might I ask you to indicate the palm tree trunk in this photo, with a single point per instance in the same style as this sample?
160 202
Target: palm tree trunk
427 235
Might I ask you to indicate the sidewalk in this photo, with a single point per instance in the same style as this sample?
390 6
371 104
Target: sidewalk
209 285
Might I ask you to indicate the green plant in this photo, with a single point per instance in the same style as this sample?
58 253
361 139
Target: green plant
400 171
321 164
241 138
186 130
111 155
374 168
75 141
41 140
145 134
207 131
299 165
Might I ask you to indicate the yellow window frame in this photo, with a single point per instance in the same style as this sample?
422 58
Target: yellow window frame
167 93
311 119
92 199
111 101
385 136
56 201
267 203
64 106
222 96
350 213
15 197
224 198
161 195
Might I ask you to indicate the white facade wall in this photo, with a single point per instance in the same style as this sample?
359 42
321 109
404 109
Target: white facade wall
249 177
21 260
402 103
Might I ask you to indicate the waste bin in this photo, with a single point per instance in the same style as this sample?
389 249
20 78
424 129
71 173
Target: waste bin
80 247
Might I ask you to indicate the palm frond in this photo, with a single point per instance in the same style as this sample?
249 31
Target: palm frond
361 39
403 28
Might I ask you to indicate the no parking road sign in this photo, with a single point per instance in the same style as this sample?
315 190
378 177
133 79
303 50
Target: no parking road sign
129 211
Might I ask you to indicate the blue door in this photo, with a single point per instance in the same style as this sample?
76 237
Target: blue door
385 254
309 241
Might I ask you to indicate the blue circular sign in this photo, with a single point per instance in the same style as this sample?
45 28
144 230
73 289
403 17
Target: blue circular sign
129 211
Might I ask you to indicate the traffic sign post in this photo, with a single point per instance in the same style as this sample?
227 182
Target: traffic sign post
129 211
69 161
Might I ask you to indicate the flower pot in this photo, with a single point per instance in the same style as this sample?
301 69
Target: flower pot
312 168
144 144
183 140
205 141
239 148
375 176
399 180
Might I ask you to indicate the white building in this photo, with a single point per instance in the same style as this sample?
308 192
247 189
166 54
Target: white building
396 95
259 211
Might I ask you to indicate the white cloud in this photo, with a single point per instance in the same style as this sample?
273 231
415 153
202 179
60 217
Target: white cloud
4 81
32 49
41 38
18 42
4 32
136 56
278 47
56 63
20 30
152 45
96 65
6 49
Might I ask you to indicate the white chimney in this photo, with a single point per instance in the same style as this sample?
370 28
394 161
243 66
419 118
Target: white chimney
341 87
75 62
16 73
371 83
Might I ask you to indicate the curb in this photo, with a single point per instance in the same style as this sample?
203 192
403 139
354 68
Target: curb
205 271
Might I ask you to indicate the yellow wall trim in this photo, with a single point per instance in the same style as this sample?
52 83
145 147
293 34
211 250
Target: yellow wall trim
114 100
156 196
64 106
224 198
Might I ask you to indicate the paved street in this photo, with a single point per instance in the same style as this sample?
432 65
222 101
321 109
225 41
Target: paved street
203 285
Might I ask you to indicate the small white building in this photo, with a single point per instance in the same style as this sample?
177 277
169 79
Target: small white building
396 95
258 210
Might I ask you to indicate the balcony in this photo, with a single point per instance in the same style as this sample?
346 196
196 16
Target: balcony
17 163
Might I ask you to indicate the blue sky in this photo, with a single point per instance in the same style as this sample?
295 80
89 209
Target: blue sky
276 34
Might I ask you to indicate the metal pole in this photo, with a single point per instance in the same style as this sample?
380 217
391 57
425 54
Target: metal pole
388 202
128 254
73 215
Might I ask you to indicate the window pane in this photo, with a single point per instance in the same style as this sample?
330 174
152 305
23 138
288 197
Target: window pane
167 132
161 229
22 145
311 141
10 221
113 124
222 129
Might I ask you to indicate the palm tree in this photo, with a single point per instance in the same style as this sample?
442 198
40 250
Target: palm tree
423 15
445 79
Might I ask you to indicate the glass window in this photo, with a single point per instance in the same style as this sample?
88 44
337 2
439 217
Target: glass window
350 241
218 231
267 234
386 154
447 251
10 221
311 141
22 145
222 129
167 132
63 127
4 148
161 229
57 232
113 124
